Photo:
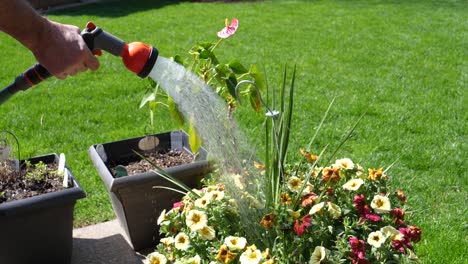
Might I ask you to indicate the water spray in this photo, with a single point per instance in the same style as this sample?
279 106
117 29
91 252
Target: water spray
138 57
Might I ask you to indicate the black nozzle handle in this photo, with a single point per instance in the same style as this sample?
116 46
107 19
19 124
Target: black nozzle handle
97 39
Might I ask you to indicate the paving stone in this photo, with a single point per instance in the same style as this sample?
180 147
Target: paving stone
104 243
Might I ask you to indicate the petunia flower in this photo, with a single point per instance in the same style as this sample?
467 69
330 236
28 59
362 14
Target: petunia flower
300 225
334 210
229 30
309 199
196 220
224 255
207 233
294 184
358 251
381 204
268 221
318 256
202 202
391 233
376 174
181 241
155 258
251 257
353 184
345 163
162 218
376 239
317 208
235 243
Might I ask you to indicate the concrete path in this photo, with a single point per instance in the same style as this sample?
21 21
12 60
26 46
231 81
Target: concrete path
104 243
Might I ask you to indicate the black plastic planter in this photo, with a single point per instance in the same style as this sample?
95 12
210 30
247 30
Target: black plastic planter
136 203
39 229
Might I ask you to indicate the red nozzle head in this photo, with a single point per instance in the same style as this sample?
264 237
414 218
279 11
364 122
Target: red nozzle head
139 58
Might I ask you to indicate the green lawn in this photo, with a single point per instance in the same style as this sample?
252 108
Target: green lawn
404 62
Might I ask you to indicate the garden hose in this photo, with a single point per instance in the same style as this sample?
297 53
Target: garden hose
136 56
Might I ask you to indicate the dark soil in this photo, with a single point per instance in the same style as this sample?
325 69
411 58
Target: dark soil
17 187
163 159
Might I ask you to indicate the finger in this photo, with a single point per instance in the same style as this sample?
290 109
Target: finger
91 62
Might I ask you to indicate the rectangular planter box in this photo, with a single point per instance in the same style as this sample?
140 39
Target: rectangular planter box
136 203
39 229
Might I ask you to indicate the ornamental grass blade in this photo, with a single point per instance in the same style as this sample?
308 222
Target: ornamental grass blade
167 176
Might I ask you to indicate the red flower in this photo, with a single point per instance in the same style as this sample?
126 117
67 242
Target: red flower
416 233
358 251
300 225
363 209
399 215
229 30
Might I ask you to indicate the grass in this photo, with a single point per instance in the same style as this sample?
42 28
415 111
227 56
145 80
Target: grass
404 62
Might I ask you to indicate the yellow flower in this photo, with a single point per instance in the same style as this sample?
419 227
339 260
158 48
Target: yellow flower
376 239
318 255
285 198
207 233
202 202
334 210
167 241
317 208
155 258
251 257
294 214
309 156
294 184
235 243
345 163
375 174
353 184
259 165
224 255
381 204
215 195
391 232
181 241
196 220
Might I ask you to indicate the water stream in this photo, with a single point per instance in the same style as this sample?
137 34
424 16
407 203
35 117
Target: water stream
197 101
220 136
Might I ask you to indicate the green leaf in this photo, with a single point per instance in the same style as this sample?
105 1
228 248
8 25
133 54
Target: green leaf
152 82
175 113
231 83
222 70
147 98
178 59
194 138
258 77
205 54
237 67
254 98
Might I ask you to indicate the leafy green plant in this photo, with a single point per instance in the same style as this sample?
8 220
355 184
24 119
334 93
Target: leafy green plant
221 76
36 172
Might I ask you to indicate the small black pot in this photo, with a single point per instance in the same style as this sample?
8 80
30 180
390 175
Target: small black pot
136 202
39 229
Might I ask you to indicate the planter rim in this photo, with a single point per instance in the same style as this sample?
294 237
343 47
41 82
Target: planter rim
44 200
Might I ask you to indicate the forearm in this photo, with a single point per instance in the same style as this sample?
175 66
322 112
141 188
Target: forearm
19 20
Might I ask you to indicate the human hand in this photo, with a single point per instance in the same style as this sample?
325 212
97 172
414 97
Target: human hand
62 51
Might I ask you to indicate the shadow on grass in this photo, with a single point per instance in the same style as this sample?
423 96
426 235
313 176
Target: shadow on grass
118 8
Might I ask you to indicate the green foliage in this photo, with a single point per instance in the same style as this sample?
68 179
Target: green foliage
37 172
